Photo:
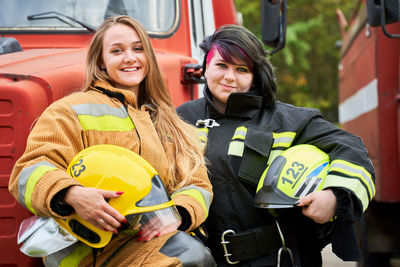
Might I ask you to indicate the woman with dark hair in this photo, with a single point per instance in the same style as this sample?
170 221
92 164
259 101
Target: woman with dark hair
125 102
244 128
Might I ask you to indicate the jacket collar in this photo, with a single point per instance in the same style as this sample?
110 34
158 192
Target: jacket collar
129 96
244 105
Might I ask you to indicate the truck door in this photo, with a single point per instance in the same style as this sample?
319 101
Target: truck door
201 18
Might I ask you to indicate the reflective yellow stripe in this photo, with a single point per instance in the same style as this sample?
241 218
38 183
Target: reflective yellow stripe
202 133
102 117
31 183
202 196
352 170
24 176
236 148
106 123
283 139
76 256
273 154
240 133
353 184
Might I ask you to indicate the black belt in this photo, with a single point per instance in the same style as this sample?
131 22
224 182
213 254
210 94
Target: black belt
246 245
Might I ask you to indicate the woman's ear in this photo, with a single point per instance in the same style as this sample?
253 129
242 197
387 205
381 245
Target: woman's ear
102 67
205 74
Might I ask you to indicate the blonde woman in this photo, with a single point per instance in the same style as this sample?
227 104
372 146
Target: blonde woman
124 83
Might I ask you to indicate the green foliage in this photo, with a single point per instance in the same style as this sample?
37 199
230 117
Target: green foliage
306 68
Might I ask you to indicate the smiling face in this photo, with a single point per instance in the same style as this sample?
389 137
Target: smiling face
224 78
124 58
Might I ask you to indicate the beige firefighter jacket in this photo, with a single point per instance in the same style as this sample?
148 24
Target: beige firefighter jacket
89 118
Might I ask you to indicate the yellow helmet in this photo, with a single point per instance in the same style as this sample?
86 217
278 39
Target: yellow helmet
115 168
295 173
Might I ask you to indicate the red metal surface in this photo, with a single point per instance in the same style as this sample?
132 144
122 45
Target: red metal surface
357 70
22 100
367 58
226 12
388 55
358 65
49 40
171 66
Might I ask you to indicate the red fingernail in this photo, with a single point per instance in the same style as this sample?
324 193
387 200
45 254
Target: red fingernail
124 221
115 231
119 193
140 239
157 235
147 238
139 233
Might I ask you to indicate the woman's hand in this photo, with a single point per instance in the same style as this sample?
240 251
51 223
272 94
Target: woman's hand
319 206
90 204
155 228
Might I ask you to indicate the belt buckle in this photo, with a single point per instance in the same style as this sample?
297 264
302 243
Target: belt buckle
223 243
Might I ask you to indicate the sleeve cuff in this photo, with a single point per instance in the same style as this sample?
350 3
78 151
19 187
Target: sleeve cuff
186 220
349 208
58 206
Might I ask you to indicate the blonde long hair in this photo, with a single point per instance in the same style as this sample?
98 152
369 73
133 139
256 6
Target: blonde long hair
187 155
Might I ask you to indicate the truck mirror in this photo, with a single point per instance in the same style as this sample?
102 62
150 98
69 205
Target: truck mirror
273 23
382 12
9 45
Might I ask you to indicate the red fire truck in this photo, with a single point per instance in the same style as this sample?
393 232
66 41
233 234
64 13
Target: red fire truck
42 54
369 97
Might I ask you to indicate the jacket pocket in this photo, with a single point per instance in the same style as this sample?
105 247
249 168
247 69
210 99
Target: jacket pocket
257 148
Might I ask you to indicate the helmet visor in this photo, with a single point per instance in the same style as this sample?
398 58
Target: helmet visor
164 213
154 220
157 195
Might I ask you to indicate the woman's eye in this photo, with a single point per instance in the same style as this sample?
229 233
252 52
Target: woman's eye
138 48
116 51
221 65
242 69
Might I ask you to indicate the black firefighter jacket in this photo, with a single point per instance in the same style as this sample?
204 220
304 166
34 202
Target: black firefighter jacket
242 142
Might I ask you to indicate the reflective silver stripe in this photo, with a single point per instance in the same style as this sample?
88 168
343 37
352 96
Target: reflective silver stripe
240 133
236 146
283 139
343 166
98 110
206 195
24 176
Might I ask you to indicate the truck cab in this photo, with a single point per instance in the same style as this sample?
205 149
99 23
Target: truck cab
43 46
369 97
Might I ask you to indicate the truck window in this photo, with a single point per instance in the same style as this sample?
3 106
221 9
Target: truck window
159 17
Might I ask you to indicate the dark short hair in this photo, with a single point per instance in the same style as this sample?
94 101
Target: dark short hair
236 42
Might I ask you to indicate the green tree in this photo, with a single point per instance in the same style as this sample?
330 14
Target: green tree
306 68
